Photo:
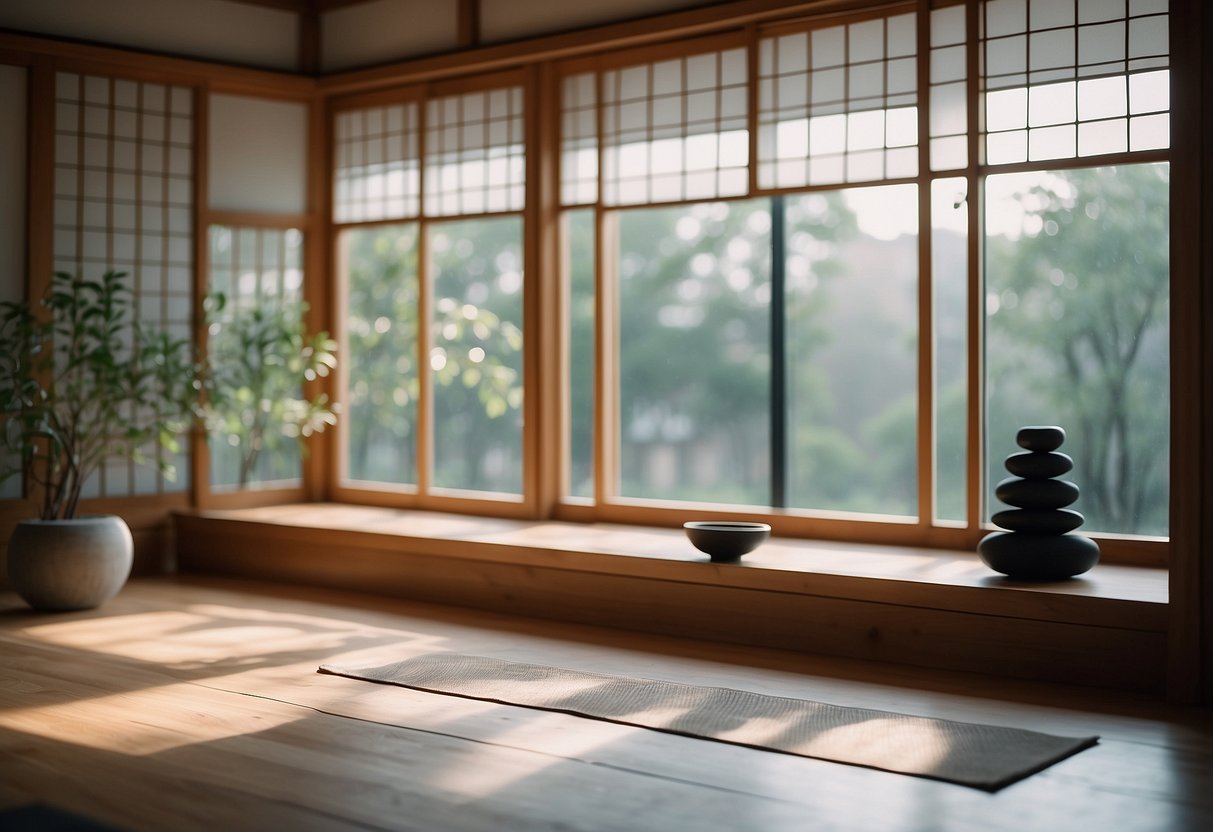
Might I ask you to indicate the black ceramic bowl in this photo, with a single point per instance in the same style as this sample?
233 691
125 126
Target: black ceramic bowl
725 540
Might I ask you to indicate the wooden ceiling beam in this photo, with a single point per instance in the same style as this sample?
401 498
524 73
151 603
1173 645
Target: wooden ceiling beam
468 23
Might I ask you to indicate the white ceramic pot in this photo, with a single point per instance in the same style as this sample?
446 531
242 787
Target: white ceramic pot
72 564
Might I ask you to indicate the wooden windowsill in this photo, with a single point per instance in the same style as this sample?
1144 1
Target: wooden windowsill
1108 596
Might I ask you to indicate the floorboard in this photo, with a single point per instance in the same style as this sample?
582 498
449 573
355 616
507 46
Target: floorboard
191 704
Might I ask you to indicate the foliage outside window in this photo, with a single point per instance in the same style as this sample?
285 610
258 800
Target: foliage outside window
259 356
1077 308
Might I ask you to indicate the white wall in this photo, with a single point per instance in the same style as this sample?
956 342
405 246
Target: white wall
258 155
222 30
12 182
502 20
386 30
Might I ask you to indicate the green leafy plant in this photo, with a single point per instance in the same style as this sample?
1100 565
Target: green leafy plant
81 382
258 360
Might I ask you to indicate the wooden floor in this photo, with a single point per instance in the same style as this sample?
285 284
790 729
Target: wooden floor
189 704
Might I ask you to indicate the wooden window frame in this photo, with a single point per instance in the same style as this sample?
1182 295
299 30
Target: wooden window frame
313 225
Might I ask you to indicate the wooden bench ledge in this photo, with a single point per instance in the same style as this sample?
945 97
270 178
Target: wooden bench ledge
920 606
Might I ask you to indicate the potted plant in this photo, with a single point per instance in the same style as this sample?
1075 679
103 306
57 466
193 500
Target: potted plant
259 358
82 383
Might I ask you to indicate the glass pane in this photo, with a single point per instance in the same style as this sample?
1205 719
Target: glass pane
579 272
852 322
379 364
475 354
694 354
949 274
247 449
1077 304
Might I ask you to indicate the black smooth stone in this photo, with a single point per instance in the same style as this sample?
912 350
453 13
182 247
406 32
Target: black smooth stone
1036 493
1039 465
1040 437
1046 521
1033 557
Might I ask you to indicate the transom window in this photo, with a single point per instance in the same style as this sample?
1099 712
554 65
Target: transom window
378 163
838 104
1074 79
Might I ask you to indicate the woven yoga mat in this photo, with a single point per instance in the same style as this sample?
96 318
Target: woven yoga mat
983 756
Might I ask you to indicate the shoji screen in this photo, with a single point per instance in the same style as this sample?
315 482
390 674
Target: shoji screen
124 201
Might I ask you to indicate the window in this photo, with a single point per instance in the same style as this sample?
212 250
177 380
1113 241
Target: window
790 319
429 195
258 273
380 337
1076 248
694 357
738 324
1076 322
818 270
852 325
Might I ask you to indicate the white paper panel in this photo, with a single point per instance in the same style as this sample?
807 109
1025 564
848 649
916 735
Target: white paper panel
258 155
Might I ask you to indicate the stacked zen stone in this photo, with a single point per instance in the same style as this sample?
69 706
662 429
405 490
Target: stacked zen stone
1037 544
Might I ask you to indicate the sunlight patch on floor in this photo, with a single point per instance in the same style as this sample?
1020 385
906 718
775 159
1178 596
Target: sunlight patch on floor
208 635
144 722
113 631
